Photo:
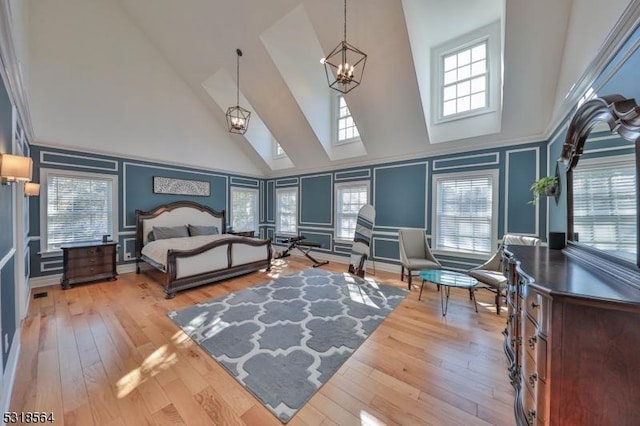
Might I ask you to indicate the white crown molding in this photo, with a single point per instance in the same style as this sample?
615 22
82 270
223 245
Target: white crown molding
11 72
618 35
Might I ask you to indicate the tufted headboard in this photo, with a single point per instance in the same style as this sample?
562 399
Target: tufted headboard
176 214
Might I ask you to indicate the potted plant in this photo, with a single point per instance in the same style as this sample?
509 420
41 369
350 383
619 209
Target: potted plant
546 186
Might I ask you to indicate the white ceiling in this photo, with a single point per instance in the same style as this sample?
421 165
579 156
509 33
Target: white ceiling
128 76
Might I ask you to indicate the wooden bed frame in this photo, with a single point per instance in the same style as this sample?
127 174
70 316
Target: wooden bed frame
182 213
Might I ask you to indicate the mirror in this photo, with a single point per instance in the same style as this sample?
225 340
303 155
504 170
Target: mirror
602 187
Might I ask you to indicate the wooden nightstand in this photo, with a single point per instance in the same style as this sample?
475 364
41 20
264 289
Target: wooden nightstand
84 262
243 233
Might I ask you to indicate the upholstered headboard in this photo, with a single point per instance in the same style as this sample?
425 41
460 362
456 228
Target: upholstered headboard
176 214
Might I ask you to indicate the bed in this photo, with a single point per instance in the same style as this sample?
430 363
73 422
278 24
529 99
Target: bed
203 254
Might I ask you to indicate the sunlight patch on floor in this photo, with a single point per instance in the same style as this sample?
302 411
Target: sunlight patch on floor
277 267
182 340
158 361
368 419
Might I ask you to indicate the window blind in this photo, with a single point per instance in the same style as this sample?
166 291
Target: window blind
287 214
244 209
464 214
350 200
604 205
78 209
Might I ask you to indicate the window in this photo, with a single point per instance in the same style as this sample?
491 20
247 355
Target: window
347 130
465 212
464 79
604 205
79 207
287 210
278 151
350 197
244 209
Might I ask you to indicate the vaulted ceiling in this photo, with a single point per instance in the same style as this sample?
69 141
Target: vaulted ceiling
152 78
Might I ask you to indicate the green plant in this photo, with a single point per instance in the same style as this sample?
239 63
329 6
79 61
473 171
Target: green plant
546 186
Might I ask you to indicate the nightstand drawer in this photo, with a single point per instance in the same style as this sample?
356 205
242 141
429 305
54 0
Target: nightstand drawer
89 271
82 262
90 252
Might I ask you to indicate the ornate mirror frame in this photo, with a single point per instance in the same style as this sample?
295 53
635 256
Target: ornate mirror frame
623 117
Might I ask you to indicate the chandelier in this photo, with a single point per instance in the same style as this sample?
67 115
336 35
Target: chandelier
238 117
344 66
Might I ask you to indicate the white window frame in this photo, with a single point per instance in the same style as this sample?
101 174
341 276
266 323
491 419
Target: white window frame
489 34
256 210
44 199
335 114
494 179
337 188
297 212
485 75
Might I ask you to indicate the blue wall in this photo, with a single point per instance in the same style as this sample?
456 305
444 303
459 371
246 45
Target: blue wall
135 191
7 277
402 191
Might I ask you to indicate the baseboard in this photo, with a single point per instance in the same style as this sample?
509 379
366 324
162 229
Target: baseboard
9 376
54 279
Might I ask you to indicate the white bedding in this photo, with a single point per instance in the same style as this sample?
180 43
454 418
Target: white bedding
157 250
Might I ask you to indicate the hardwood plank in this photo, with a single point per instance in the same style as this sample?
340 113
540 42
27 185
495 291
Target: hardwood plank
332 410
216 408
168 416
48 385
183 400
79 416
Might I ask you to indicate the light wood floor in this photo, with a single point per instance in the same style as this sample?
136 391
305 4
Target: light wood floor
107 354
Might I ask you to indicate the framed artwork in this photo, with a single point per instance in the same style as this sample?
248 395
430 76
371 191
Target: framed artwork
165 185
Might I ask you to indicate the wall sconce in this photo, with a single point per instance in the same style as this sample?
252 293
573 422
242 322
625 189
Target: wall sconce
14 168
31 189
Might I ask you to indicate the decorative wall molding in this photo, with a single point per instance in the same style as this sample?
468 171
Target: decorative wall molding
507 170
44 161
490 162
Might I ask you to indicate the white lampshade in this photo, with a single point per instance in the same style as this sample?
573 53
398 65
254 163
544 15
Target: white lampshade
31 189
15 168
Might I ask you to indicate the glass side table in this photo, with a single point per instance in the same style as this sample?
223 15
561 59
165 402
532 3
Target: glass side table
449 279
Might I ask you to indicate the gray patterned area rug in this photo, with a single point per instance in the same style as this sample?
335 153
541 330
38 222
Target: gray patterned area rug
284 339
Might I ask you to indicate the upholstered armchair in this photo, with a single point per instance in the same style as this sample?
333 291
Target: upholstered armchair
415 254
490 275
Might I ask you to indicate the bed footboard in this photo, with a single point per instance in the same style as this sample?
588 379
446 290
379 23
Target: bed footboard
215 261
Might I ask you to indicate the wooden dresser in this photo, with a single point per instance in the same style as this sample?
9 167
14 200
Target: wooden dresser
84 262
572 340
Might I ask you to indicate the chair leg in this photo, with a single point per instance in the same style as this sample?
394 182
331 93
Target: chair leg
409 278
498 303
401 272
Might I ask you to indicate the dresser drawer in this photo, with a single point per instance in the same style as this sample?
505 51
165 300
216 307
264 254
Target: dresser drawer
530 375
530 407
537 306
530 338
